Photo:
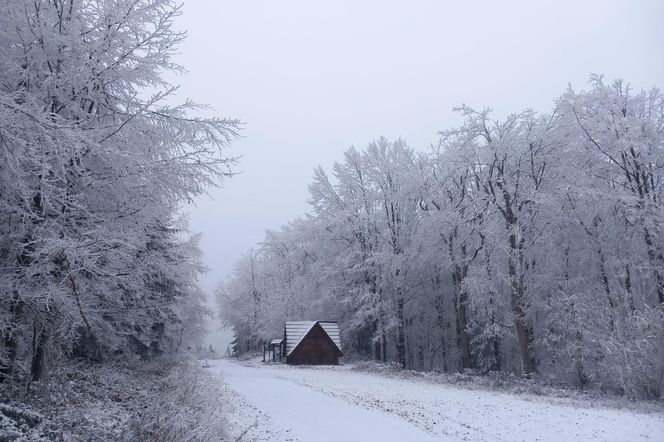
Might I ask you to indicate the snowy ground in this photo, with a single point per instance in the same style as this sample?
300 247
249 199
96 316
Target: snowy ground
283 403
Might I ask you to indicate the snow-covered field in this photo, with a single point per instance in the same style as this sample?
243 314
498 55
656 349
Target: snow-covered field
283 403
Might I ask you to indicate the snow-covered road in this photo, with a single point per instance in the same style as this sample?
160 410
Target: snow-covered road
283 403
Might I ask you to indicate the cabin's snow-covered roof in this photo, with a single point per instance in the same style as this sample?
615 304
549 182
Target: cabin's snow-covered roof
297 330
276 341
332 329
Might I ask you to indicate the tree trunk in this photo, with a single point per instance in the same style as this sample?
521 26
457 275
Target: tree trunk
39 338
11 339
11 348
441 326
462 322
607 289
377 351
495 344
401 334
524 331
628 288
495 341
655 259
524 336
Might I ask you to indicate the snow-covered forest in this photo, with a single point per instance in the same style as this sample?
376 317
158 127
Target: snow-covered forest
98 272
530 244
525 250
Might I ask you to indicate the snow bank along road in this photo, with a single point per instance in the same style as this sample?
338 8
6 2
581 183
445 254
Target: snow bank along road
283 403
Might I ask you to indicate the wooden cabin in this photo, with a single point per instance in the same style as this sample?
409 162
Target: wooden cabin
312 343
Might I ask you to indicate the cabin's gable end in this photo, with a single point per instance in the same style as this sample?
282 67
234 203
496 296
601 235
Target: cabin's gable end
316 347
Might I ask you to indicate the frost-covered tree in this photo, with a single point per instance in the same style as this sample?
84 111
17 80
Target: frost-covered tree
375 207
94 165
508 164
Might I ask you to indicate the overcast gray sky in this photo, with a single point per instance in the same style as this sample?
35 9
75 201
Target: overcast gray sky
312 78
